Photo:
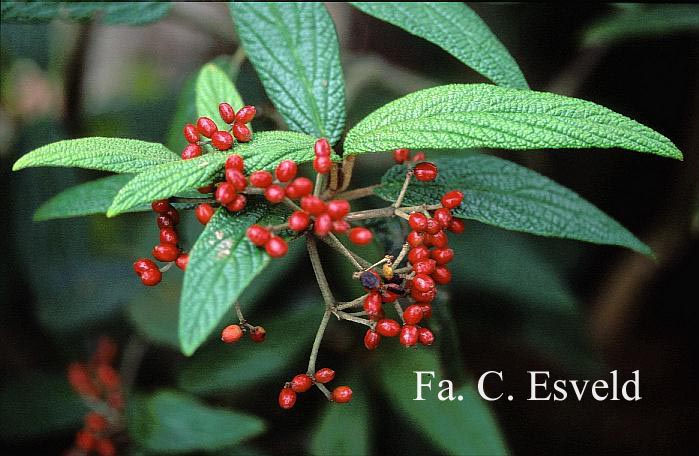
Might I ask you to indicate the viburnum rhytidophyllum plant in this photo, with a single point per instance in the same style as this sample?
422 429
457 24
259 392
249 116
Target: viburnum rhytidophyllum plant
254 197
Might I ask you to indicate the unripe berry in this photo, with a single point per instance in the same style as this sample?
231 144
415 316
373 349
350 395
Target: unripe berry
241 132
424 266
373 304
275 194
204 212
342 394
371 339
258 235
168 235
412 314
299 221
452 199
238 203
408 335
442 256
165 252
286 170
425 336
151 277
313 205
191 151
323 225
221 140
190 133
225 193
324 375
276 247
261 179
340 226
322 164
418 221
236 179
258 334
360 235
231 334
418 253
245 114
415 239
401 155
235 161
299 187
322 148
160 206
338 209
227 112
442 216
143 264
456 226
441 275
287 398
94 422
206 126
301 383
425 171
182 261
387 327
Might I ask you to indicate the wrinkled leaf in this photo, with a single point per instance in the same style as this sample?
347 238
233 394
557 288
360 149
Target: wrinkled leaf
110 13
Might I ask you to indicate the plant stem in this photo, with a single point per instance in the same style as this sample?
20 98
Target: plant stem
401 195
389 211
401 255
320 183
181 199
335 243
362 321
316 343
399 310
324 390
130 362
291 204
357 193
354 303
318 270
239 312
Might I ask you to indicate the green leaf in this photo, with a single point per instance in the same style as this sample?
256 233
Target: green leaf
294 49
455 427
174 422
107 154
224 368
213 87
506 195
480 115
110 13
265 151
457 29
644 21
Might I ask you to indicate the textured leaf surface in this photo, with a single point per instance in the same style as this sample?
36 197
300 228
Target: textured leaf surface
504 194
455 427
118 155
479 115
111 13
294 49
265 151
457 29
170 421
213 87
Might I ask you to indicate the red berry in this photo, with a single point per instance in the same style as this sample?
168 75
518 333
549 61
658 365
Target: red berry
231 334
342 394
105 447
424 266
258 334
94 422
387 327
275 194
168 235
276 247
313 205
85 440
287 398
258 235
108 376
241 132
415 239
160 206
408 335
418 221
371 339
340 226
418 253
165 252
299 187
423 282
389 296
165 220
299 221
143 264
372 304
433 226
426 309
261 179
182 261
439 240
418 157
442 216
322 148
441 275
225 193
191 151
238 203
235 161
425 171
452 199
301 383
322 164
423 296
151 277
204 212
206 126
323 225
360 235
286 170
401 155
425 336
237 179
456 226
442 256
173 214
338 209
222 140
227 112
412 314
206 189
245 114
324 375
190 133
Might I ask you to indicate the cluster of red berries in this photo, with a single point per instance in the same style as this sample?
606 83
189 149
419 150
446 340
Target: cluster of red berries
303 382
219 139
233 333
99 385
402 155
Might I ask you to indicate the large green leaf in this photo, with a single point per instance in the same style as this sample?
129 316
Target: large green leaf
504 194
294 49
174 422
213 87
480 115
107 154
111 13
463 426
458 30
265 151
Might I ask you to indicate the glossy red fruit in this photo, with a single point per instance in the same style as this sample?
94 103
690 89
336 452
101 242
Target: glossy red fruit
105 447
423 282
338 208
322 164
245 114
423 296
160 206
168 235
342 394
286 170
143 264
151 277
360 235
238 203
94 422
389 296
258 334
299 221
258 235
165 220
275 194
204 212
452 199
424 266
237 179
313 205
287 398
340 226
418 221
439 240
206 126
322 225
408 335
442 256
190 133
425 171
227 112
206 189
372 339
373 304
231 334
182 261
324 375
241 132
165 252
418 157
433 226
387 327
173 214
415 239
221 140
426 309
322 148
301 383
425 336
418 253
276 247
412 314
442 216
299 187
441 275
401 155
261 179
456 226
235 161
191 151
225 193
